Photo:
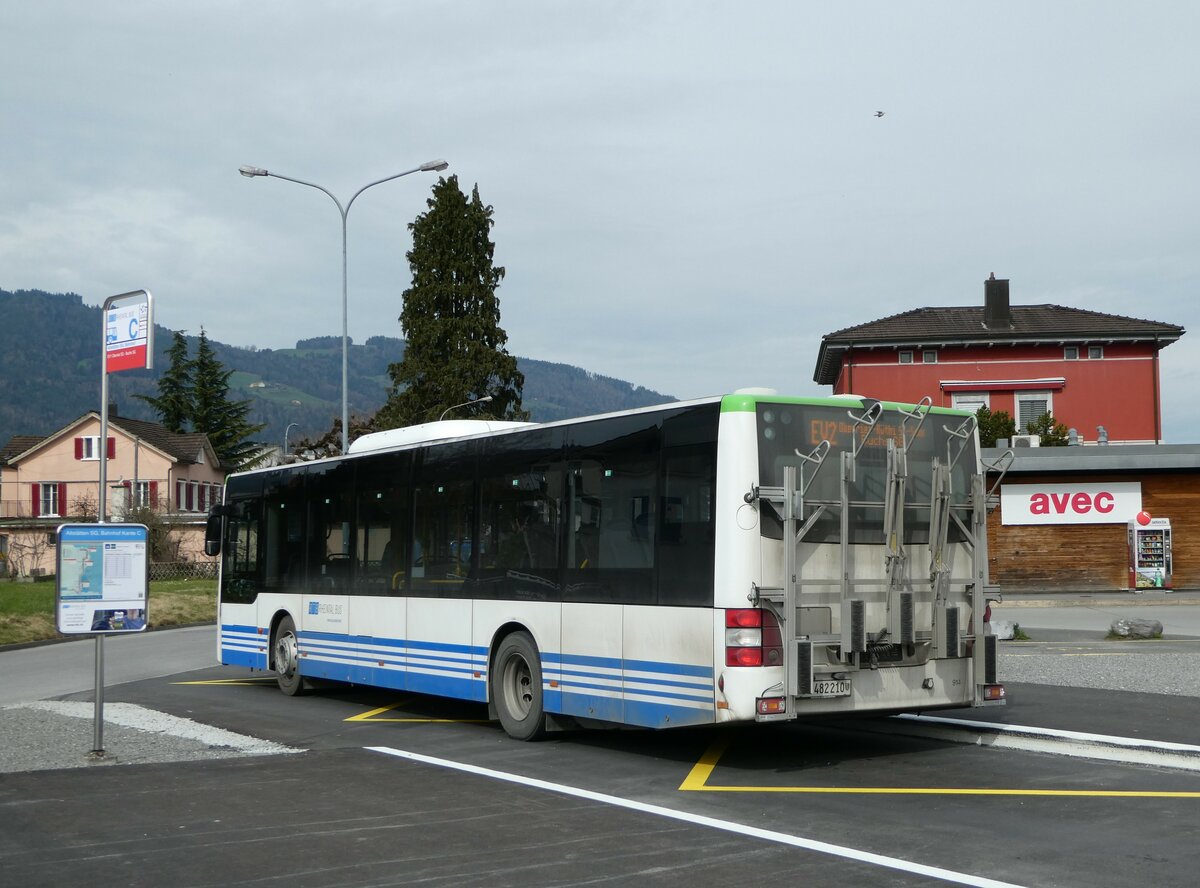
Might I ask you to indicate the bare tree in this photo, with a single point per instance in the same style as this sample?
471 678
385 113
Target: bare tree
26 549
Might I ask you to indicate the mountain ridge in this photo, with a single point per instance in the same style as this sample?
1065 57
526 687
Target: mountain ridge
301 385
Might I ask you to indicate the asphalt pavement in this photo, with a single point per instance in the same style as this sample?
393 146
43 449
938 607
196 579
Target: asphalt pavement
36 735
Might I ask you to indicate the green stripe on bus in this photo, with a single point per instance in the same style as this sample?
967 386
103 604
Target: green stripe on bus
749 403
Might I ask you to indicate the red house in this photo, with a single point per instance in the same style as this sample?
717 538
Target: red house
1096 373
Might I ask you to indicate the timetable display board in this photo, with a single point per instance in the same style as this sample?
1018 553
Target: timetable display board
103 578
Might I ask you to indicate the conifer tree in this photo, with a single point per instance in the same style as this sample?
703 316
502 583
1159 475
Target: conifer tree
214 414
455 349
174 401
193 395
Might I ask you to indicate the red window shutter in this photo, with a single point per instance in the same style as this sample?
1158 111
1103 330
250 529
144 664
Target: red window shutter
112 448
37 500
62 498
79 448
191 489
153 495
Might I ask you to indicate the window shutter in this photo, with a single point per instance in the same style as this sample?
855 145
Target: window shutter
153 504
37 500
112 448
62 498
79 448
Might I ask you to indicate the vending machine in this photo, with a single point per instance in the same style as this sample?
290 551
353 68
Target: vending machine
1150 554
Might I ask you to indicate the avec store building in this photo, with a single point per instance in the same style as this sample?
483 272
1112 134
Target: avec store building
1069 516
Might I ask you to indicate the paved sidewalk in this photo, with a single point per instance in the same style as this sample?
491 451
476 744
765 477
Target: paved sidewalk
1062 616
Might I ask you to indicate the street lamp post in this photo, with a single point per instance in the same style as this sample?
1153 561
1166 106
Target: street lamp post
290 426
482 400
431 166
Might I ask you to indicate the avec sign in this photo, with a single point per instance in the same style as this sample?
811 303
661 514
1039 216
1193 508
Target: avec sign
1112 502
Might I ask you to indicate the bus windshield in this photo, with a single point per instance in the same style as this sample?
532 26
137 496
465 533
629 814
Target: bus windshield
787 432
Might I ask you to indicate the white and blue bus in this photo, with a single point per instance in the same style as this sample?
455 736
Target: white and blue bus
743 558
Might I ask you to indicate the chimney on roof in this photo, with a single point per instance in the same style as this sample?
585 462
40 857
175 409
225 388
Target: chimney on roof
112 408
996 313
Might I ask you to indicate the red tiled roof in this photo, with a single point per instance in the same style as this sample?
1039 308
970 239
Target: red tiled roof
1030 323
185 448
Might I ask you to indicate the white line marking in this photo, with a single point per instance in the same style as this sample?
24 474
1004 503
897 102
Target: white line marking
1100 747
711 822
151 721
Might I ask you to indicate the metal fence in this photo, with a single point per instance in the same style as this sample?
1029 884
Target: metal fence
183 570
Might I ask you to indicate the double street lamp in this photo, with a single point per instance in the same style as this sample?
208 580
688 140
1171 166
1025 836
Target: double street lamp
252 171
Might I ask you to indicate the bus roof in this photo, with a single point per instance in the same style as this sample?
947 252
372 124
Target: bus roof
740 401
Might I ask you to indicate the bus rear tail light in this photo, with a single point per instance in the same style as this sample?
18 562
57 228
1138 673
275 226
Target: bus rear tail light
992 692
752 638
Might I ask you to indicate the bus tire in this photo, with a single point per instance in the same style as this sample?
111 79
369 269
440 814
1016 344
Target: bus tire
517 687
285 653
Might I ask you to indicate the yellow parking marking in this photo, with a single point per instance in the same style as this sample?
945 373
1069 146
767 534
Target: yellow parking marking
229 681
373 716
697 781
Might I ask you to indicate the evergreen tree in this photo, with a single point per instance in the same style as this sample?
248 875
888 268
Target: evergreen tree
174 401
214 414
455 348
994 426
1051 432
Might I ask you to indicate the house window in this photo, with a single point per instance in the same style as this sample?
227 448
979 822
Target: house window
1071 353
1095 352
1031 405
48 500
141 494
905 357
87 447
972 401
929 357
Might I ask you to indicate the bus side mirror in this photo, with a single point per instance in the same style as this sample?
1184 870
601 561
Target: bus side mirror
212 531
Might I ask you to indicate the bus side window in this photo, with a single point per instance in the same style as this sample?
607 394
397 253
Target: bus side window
379 540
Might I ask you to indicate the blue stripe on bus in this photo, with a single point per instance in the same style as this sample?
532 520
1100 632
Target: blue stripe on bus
704 698
610 709
624 678
248 630
414 665
629 665
655 715
249 659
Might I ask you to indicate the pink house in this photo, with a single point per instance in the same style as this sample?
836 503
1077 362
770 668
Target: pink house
46 481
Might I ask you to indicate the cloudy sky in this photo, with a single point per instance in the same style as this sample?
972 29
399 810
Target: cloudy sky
687 195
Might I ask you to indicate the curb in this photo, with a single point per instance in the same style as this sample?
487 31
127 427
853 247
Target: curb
1123 601
1100 747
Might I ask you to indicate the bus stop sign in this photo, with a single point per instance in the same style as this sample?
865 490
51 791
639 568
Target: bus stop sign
103 578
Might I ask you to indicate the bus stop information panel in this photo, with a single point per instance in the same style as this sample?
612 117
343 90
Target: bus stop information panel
103 577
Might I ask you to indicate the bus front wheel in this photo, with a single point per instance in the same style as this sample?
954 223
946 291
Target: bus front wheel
286 651
517 687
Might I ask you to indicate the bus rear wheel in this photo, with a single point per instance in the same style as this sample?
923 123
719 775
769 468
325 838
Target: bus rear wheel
517 687
286 658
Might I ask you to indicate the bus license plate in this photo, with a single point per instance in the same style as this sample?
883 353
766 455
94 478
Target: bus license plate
831 688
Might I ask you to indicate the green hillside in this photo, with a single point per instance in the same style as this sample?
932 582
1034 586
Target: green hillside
50 359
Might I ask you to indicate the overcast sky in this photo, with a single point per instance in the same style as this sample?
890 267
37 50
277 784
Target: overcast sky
687 195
